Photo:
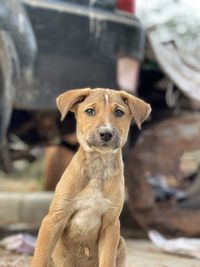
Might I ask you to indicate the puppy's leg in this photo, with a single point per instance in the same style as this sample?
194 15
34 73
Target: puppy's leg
121 253
47 238
108 243
50 231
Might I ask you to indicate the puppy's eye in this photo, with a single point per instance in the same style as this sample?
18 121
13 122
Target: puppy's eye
90 112
118 113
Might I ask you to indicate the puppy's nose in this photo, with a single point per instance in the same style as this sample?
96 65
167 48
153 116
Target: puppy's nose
106 135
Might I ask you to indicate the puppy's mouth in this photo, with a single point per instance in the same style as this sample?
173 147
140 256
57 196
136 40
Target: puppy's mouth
103 146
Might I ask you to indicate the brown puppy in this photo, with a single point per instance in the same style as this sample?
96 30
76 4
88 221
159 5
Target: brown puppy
82 227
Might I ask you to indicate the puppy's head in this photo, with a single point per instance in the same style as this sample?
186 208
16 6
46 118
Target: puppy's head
103 116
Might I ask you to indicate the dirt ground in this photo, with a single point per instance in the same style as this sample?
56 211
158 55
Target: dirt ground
9 259
141 253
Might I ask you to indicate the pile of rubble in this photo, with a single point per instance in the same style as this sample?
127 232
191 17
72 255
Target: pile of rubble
164 185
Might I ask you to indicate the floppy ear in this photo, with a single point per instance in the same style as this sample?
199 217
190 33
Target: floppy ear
66 101
140 110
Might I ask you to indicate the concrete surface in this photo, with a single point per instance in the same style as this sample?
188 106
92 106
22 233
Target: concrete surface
18 207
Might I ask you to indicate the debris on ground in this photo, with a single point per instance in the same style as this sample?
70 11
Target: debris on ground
20 243
12 259
181 245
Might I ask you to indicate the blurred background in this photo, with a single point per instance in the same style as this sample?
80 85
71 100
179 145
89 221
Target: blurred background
150 49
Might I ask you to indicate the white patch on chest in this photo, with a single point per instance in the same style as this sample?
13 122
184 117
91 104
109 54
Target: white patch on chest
89 212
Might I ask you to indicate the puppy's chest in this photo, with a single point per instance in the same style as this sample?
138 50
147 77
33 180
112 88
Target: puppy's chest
94 200
89 211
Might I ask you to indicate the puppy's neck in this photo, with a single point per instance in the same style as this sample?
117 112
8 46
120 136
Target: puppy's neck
106 164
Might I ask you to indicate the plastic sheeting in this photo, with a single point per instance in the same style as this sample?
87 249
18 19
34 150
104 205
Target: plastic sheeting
173 27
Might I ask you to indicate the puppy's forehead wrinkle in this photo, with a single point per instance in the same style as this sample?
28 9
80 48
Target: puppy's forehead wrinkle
106 96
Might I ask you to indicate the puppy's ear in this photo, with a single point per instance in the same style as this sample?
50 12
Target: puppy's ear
67 101
140 110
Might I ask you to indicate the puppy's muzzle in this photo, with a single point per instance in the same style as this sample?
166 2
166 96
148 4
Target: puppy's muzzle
104 137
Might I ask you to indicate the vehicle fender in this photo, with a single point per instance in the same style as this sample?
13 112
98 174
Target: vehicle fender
9 73
14 19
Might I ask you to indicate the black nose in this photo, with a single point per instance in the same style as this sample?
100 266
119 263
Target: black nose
106 136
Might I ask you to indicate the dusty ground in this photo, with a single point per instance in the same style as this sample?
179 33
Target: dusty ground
8 259
140 254
144 254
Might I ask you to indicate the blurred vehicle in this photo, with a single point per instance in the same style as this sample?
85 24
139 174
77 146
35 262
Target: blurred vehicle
50 46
